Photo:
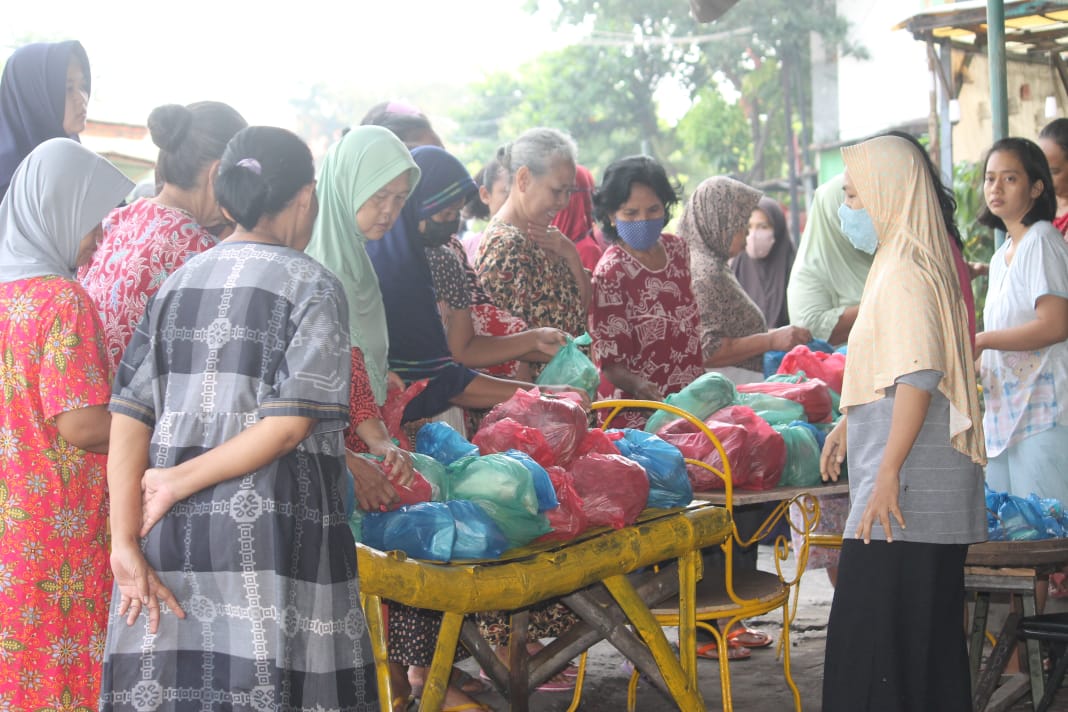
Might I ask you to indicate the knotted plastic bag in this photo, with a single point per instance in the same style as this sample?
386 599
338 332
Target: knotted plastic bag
774 410
441 442
422 531
507 434
503 487
560 420
614 489
477 535
802 467
707 394
812 394
571 367
567 520
543 486
829 368
669 486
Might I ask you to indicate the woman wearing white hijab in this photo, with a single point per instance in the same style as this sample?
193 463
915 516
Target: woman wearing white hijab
54 575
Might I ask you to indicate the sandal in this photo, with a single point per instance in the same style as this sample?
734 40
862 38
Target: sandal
749 637
710 651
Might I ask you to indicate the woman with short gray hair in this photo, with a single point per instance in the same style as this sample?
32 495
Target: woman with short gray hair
528 267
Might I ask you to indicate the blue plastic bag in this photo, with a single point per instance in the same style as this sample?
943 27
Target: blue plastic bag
503 487
443 443
669 485
1052 512
477 535
543 486
1021 519
423 531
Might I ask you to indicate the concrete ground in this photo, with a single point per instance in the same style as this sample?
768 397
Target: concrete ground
757 683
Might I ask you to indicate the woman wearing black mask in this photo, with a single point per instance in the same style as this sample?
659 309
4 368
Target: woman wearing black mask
418 345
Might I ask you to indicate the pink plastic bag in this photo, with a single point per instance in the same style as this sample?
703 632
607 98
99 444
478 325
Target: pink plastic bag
506 434
765 448
812 394
568 520
597 440
393 410
695 445
613 488
829 368
561 420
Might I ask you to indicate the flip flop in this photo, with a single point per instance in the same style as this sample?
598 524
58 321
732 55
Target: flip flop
710 651
749 637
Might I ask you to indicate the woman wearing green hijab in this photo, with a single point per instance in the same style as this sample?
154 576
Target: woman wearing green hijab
365 180
829 273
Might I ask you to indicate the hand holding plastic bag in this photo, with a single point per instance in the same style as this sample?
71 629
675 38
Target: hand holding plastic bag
571 367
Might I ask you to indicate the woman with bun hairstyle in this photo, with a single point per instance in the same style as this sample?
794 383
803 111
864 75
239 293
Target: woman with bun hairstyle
226 471
149 239
44 93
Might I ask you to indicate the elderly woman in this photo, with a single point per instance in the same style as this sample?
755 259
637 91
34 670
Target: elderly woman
54 422
829 273
734 333
763 269
44 92
146 241
643 317
527 267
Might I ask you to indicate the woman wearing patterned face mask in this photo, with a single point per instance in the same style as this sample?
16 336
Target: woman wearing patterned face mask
763 269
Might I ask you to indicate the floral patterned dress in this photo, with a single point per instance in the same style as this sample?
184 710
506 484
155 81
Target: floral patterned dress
143 243
55 580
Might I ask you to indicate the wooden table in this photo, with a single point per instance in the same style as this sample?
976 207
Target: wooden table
588 574
1007 567
743 497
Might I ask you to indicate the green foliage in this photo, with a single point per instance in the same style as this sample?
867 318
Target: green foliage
978 239
714 136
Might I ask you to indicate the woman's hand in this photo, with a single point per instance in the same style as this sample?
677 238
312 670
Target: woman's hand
396 462
159 492
647 390
552 241
548 340
374 492
139 586
786 337
834 452
882 504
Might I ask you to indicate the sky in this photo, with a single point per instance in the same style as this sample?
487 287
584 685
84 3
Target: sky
256 56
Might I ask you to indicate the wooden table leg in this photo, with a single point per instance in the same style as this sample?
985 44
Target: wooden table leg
519 661
685 696
1034 654
975 650
995 665
437 678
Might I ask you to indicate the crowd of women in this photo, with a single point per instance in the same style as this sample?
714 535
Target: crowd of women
212 370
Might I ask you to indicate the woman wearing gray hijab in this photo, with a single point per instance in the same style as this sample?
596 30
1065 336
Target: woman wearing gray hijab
55 581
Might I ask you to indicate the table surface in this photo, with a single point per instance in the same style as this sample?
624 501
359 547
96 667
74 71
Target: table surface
775 494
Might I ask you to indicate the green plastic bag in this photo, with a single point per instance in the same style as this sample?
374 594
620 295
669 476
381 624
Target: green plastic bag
775 410
802 456
356 524
707 394
435 473
503 487
571 367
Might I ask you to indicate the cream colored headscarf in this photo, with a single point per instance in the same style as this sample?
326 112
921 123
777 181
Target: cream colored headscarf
912 316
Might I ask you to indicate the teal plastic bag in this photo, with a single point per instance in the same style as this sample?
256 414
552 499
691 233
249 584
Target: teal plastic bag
356 524
775 410
571 367
802 456
433 472
707 394
504 488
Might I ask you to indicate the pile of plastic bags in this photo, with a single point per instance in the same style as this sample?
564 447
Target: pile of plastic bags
1012 518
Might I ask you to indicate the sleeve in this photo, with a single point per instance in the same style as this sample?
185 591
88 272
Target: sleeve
314 378
74 364
925 380
1047 267
362 404
613 340
811 305
136 376
502 273
447 273
706 290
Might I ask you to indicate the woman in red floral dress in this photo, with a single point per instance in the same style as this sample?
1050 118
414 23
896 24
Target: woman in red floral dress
55 581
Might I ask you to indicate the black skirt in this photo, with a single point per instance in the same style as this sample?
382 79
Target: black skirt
895 639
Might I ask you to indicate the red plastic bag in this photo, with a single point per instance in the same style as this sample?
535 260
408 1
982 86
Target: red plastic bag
416 491
829 368
561 420
812 395
613 488
765 448
393 410
695 445
568 520
597 440
506 434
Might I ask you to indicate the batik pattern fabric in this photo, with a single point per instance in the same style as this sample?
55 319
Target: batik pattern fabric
263 564
55 580
645 321
523 279
143 243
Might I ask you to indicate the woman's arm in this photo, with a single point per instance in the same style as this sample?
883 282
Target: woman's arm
842 327
910 410
248 451
733 351
1050 326
632 383
139 586
86 428
475 351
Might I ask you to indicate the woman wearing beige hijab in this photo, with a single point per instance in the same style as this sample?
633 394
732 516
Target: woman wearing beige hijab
915 448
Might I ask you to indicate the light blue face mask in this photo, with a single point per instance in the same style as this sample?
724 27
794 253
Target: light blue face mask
858 228
640 234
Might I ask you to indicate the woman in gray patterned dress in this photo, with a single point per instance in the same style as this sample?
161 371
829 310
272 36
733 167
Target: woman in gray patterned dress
227 474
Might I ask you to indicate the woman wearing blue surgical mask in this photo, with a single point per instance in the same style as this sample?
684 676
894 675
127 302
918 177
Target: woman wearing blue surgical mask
643 317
